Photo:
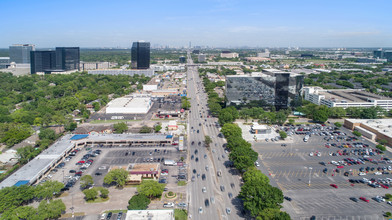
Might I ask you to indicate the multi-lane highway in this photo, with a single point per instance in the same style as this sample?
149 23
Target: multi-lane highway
208 197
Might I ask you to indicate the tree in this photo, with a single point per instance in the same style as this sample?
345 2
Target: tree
257 197
320 116
120 128
118 176
145 129
71 126
231 130
281 117
382 141
273 214
12 197
150 188
282 134
357 133
185 103
96 106
207 140
291 121
338 124
225 117
138 202
90 194
157 128
104 192
381 147
243 162
255 175
48 189
50 210
21 212
86 181
47 133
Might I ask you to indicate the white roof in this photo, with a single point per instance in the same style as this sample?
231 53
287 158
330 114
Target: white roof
383 126
163 214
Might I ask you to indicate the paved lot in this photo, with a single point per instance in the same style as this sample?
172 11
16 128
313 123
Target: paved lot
291 168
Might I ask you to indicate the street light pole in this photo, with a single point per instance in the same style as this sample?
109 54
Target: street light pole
310 174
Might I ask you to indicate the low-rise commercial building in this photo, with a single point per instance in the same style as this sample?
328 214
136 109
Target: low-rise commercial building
260 129
374 129
146 72
163 214
228 54
134 104
345 98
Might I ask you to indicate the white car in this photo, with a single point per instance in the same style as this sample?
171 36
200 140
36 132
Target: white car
389 203
257 164
318 154
168 205
204 189
311 154
362 174
228 211
201 210
377 173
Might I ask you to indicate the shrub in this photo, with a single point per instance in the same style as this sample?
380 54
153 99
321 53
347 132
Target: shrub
381 147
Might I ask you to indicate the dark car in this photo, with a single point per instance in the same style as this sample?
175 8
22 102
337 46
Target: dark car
322 163
196 159
222 188
325 170
287 198
192 157
194 170
197 131
133 153
230 195
98 174
203 177
72 171
109 215
232 185
119 215
196 151
207 202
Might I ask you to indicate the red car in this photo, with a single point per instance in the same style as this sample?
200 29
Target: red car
384 186
340 166
334 186
82 161
364 199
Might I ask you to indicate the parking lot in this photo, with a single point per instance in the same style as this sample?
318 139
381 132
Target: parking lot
298 169
116 155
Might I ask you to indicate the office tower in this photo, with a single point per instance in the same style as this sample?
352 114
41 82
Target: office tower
270 88
20 53
67 58
140 55
182 59
4 62
201 58
42 61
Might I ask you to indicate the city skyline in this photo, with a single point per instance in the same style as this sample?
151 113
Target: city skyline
217 23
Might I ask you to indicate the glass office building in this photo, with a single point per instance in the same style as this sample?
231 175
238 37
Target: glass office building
42 61
67 58
140 55
20 53
272 88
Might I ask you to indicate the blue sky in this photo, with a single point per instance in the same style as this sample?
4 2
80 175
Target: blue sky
219 23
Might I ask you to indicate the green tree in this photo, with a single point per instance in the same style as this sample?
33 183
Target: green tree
273 214
357 133
71 126
231 130
138 202
291 121
145 129
117 176
21 212
382 141
96 106
90 194
338 124
120 127
185 103
51 210
207 140
283 135
150 188
47 133
104 192
320 116
86 181
381 147
157 128
257 197
255 175
12 197
281 117
48 189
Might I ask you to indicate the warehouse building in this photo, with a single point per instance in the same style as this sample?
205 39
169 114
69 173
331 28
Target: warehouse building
373 129
133 104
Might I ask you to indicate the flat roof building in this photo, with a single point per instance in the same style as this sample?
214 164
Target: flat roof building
134 104
374 129
163 214
20 53
146 72
140 55
345 98
228 54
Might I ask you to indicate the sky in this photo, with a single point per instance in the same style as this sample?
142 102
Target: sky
214 23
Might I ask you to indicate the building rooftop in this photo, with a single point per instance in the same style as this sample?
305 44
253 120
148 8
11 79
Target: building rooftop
383 126
350 95
163 214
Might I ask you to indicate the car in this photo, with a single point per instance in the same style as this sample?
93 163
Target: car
325 170
133 153
377 173
232 185
334 185
389 203
103 216
204 189
181 204
203 177
98 174
230 195
72 171
192 157
313 217
193 178
205 156
194 171
362 174
119 215
228 211
206 167
212 199
257 164
287 198
168 205
109 215
197 159
201 210
102 168
322 163
196 151
364 199
207 202
354 199
222 188
197 131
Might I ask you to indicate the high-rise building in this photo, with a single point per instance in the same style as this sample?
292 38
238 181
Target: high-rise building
383 54
271 87
140 55
20 53
182 59
67 58
42 61
4 62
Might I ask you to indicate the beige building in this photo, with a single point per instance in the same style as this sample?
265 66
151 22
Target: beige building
228 54
373 129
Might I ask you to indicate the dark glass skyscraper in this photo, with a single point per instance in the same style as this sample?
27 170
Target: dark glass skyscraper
20 53
140 55
67 58
42 61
